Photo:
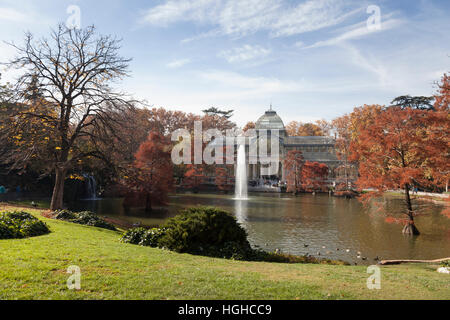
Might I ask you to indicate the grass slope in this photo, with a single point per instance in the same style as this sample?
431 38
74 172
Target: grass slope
35 268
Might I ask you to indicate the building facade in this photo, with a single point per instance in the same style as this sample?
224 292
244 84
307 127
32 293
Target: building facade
314 149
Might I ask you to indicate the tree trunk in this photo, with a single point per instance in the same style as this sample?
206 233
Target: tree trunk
58 190
148 203
409 228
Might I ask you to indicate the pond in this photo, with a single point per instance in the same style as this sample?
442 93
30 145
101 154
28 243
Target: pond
319 225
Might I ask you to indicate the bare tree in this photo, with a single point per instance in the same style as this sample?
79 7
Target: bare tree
72 74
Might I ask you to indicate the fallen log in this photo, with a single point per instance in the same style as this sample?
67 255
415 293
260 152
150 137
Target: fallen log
391 262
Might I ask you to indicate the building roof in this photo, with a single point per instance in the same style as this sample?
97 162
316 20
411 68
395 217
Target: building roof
316 140
270 120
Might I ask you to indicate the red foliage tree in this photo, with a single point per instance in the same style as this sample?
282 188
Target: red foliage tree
223 178
395 153
293 164
194 176
438 134
152 173
314 176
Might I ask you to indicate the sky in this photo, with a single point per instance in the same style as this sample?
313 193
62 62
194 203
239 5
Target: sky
311 60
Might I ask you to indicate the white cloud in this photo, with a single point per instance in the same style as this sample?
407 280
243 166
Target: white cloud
178 63
239 18
9 14
244 53
358 31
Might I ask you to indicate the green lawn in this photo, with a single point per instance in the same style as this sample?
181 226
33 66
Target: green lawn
35 268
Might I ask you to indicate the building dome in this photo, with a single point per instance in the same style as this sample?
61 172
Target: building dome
270 121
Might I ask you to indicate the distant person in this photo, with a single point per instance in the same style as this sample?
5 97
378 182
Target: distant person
2 190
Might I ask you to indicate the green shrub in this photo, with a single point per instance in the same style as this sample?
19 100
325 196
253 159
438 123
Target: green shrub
133 236
210 232
8 231
91 219
19 224
64 215
151 237
207 231
85 217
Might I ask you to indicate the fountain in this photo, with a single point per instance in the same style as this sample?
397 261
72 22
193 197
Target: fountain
241 175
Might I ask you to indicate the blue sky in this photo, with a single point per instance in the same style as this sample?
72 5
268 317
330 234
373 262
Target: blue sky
310 59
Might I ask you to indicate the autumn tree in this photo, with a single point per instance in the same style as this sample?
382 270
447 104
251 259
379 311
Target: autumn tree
295 128
342 128
438 134
248 126
194 176
314 176
222 178
395 155
293 164
347 129
152 172
74 70
325 126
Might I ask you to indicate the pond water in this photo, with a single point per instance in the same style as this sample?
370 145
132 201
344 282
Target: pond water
337 228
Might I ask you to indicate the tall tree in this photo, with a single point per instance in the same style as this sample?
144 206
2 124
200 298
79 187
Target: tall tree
222 113
152 174
395 155
420 103
293 164
438 134
74 70
343 132
314 176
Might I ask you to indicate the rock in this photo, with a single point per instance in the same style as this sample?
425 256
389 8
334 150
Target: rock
444 270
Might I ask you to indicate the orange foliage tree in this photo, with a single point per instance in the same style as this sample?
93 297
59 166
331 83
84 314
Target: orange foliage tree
223 178
314 176
152 173
248 126
438 134
293 164
194 176
394 153
295 128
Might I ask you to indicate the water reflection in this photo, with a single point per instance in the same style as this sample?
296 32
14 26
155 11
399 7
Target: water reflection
334 227
240 210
